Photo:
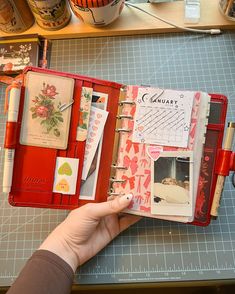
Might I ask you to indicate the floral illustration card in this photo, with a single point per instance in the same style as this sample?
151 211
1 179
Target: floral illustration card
44 122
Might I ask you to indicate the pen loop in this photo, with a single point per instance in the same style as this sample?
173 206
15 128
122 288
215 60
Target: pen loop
15 85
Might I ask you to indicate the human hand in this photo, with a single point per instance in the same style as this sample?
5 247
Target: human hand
89 229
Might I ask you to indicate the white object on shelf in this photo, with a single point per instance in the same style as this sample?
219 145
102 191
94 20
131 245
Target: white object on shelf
191 11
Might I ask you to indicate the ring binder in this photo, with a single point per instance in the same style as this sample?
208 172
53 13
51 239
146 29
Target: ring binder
123 116
130 102
122 130
122 161
111 193
113 180
118 167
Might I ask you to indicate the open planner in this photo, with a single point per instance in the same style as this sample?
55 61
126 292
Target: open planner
77 139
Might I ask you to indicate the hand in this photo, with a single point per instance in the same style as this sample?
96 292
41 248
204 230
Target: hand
89 229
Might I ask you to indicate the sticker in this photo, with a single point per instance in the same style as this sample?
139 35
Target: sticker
154 152
65 179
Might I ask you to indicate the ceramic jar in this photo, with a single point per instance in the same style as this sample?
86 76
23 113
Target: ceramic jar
50 14
97 12
15 16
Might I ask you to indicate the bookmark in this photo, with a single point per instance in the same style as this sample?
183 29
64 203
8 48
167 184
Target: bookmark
85 108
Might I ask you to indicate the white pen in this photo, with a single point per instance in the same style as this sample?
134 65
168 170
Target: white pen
13 111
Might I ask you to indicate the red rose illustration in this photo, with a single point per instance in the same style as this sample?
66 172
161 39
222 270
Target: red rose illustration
42 111
8 66
49 91
43 107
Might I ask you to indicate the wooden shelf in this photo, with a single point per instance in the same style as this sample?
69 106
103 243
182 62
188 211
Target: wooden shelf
133 22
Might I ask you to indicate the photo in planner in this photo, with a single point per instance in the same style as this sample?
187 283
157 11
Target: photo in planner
171 183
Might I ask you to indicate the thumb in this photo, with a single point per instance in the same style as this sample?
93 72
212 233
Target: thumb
102 209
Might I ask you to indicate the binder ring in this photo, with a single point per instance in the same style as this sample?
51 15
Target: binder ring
123 130
122 116
113 180
118 166
111 193
130 102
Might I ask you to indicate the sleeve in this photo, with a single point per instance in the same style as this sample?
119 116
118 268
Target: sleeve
44 272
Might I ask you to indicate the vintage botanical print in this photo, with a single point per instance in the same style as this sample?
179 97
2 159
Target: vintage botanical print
44 122
49 115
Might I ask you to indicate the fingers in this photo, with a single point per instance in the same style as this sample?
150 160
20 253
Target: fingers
102 209
128 220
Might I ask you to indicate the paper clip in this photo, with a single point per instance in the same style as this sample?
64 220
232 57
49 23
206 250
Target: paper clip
65 106
157 95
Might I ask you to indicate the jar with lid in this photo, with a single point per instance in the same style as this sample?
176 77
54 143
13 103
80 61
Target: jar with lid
15 16
50 14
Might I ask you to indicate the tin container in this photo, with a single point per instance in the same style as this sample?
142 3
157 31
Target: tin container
15 16
227 8
97 13
50 14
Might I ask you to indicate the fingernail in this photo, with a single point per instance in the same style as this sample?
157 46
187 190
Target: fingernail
126 198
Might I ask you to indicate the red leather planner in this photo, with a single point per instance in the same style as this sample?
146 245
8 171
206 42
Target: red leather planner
34 166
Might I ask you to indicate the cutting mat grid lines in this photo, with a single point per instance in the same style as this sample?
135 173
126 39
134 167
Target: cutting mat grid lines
152 250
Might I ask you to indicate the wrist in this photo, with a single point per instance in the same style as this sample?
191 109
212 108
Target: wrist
57 244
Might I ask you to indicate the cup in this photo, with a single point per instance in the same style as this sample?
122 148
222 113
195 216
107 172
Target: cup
97 12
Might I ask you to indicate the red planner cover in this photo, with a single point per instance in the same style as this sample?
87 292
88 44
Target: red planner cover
34 167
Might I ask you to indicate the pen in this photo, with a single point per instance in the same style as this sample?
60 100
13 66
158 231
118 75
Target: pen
13 110
221 179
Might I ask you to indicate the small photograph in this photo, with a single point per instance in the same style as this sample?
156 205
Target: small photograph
171 184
